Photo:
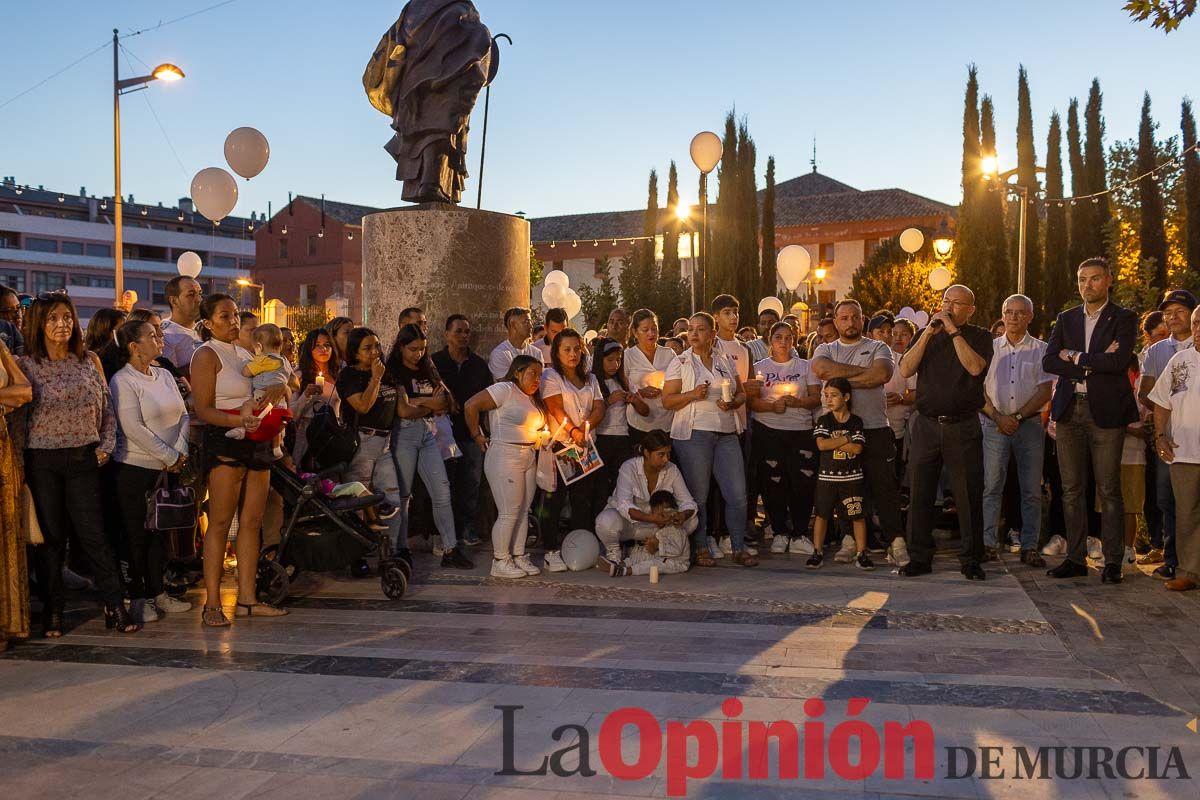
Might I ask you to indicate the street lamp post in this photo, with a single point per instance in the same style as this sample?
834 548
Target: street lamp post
988 166
683 212
705 150
163 72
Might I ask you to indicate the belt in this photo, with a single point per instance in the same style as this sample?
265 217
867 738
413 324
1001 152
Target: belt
950 419
375 431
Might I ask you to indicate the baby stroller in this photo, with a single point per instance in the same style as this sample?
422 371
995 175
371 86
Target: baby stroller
307 510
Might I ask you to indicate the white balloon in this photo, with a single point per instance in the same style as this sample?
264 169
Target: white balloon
580 549
214 192
906 313
772 303
589 336
554 295
939 279
792 263
558 276
921 318
572 304
189 264
911 240
247 152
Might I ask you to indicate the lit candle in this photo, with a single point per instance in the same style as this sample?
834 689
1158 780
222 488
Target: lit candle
786 389
656 379
758 376
727 390
321 381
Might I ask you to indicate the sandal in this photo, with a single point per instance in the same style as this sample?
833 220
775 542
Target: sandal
744 559
259 609
215 617
704 559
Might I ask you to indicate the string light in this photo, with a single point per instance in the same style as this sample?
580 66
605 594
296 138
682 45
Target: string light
18 190
104 205
145 211
61 199
321 233
1154 174
285 230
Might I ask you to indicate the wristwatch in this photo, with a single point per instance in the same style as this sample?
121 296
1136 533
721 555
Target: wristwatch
956 334
1018 416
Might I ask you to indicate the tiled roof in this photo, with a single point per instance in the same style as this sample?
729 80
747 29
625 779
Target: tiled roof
601 225
810 184
856 206
346 213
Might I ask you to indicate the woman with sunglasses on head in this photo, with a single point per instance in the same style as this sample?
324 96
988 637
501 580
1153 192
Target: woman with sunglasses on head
71 433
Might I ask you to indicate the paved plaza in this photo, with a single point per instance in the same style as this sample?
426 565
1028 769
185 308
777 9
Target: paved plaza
357 696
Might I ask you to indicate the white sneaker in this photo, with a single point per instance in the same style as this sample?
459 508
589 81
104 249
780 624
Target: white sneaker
714 549
613 553
848 551
1095 550
506 568
526 565
143 611
438 550
1056 546
1130 556
554 563
726 545
801 546
165 603
898 552
1014 541
779 545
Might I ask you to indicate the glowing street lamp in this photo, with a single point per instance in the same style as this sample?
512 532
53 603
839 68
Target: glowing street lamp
943 242
989 166
262 292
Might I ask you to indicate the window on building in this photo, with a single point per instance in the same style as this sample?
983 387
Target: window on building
99 250
870 246
224 262
48 281
141 286
13 279
312 244
159 298
8 239
310 295
41 245
827 253
283 248
72 248
93 281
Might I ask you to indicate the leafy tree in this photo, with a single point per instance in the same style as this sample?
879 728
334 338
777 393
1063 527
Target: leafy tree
536 268
891 278
1027 177
1081 215
1152 237
1165 14
1191 176
1056 275
1095 170
768 282
598 302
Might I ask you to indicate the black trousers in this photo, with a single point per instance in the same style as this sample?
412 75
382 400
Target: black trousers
786 461
959 447
879 468
65 485
614 451
588 497
126 517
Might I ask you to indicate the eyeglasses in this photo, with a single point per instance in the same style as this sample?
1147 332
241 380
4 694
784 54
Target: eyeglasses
53 294
322 346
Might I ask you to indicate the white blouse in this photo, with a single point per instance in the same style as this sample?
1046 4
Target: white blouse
633 491
639 372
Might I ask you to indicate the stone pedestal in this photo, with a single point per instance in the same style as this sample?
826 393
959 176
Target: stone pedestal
447 260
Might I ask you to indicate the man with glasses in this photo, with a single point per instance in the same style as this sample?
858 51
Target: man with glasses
950 359
10 321
1015 390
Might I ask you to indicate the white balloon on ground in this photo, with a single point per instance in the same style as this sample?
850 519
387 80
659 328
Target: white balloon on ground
558 276
792 264
939 278
772 304
189 264
906 313
247 152
921 318
554 295
573 304
214 192
911 240
580 549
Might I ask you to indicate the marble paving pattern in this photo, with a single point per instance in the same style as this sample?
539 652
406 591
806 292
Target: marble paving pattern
356 696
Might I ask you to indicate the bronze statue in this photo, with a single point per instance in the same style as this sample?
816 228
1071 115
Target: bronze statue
425 74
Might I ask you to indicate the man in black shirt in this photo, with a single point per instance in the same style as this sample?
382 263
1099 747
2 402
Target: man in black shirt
465 375
950 359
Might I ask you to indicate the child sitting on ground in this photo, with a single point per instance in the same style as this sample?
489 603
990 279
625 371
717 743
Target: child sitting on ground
273 380
668 549
840 440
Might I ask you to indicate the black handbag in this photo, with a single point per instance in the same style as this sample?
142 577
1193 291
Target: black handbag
170 508
330 442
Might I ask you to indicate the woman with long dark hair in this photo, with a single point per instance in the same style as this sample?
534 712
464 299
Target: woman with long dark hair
576 408
152 437
415 446
612 434
318 370
72 432
238 477
339 330
102 328
510 458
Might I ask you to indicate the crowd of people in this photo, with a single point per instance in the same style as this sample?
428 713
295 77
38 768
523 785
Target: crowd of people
860 437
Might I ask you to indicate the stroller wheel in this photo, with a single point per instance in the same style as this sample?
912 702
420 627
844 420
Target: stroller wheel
393 582
272 582
360 568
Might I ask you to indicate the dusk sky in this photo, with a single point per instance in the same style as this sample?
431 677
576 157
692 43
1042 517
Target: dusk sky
589 98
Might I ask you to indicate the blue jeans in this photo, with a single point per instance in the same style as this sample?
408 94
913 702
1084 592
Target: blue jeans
1027 445
465 474
1165 496
415 450
708 455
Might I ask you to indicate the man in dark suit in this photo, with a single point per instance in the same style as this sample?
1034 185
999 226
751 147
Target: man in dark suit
1090 351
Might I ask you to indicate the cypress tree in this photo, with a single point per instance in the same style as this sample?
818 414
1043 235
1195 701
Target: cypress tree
1080 213
1191 180
1027 177
991 272
1151 232
1095 170
971 253
671 264
650 218
723 220
638 271
1056 275
768 282
746 278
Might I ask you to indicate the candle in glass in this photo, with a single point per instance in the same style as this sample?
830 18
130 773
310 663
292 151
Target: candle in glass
727 390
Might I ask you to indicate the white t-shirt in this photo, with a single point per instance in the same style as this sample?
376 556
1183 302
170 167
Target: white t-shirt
516 419
1178 389
795 372
504 353
740 357
869 405
577 402
707 416
638 371
543 348
614 423
898 414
